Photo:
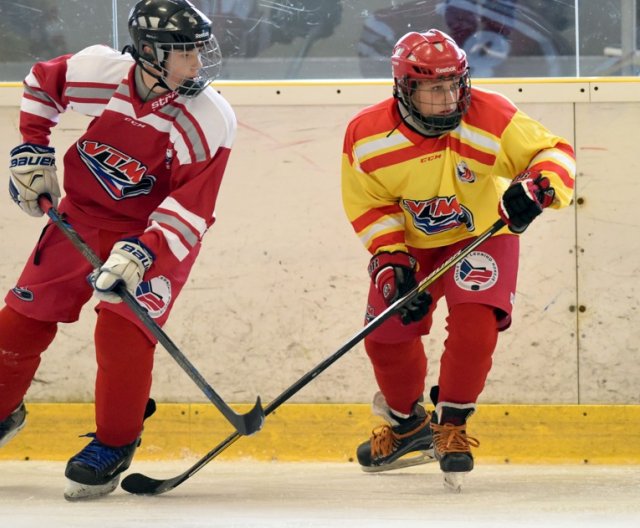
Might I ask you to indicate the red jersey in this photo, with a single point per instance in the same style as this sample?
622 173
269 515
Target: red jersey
153 166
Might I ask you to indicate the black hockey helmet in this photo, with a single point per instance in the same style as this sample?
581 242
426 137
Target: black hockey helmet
158 27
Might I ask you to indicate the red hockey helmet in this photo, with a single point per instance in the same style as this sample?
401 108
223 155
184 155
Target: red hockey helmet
430 56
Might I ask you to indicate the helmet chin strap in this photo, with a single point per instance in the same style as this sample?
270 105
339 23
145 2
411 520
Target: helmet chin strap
145 66
413 123
145 92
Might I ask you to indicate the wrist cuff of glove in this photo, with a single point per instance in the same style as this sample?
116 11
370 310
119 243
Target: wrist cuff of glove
384 259
135 250
32 148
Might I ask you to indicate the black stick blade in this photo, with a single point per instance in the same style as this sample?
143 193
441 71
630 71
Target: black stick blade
251 422
140 484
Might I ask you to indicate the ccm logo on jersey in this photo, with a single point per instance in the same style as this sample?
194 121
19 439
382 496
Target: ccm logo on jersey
430 157
439 214
134 123
119 174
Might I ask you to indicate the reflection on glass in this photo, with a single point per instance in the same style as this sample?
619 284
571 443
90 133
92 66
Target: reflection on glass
501 37
339 39
34 30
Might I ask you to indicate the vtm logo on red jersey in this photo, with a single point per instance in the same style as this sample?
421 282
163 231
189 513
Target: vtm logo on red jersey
439 214
121 176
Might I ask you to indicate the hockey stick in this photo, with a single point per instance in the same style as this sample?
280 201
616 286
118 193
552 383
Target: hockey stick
245 424
142 485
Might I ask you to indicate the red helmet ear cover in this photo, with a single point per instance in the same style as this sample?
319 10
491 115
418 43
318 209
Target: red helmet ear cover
431 55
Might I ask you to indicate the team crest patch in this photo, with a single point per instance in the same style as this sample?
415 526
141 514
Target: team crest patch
476 272
23 294
465 174
155 295
120 175
438 214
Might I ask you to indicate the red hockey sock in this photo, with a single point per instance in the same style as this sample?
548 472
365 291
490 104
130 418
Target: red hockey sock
400 370
125 360
466 361
22 341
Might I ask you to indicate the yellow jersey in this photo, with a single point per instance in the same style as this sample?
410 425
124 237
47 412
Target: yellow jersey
402 189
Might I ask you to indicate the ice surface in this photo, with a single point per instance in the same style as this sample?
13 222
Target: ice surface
287 495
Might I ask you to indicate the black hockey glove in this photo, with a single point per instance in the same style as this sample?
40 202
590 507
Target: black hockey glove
524 200
393 275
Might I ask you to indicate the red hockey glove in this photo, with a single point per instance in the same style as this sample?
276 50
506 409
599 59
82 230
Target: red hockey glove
394 276
526 197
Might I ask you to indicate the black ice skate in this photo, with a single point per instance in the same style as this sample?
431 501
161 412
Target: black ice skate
11 425
401 443
95 471
452 446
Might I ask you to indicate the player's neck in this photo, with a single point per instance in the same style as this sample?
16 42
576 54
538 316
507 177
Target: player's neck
147 86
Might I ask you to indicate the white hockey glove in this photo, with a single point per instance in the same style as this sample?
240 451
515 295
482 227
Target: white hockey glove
33 172
127 263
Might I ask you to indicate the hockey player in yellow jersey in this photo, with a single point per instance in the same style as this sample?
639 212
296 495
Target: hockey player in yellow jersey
423 173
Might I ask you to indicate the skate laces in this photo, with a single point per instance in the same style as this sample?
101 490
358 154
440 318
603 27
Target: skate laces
384 440
99 456
449 438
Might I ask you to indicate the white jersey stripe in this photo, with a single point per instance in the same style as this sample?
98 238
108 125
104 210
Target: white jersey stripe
89 92
41 110
198 223
557 156
41 96
124 107
193 137
370 147
390 223
476 139
179 250
177 225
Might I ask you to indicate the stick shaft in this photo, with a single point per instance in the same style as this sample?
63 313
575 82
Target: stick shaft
245 424
146 485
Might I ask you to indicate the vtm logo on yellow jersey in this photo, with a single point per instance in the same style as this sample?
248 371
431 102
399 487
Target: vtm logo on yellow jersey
438 214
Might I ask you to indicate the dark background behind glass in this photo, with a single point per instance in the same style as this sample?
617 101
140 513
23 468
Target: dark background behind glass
341 39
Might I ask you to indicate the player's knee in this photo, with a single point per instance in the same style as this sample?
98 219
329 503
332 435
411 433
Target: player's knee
382 354
474 326
23 335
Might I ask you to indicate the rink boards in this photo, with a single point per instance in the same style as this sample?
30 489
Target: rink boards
581 434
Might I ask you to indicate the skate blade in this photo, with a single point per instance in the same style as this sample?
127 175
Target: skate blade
416 458
453 480
12 434
75 491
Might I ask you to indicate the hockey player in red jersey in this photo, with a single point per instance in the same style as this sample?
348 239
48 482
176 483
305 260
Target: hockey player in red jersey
423 172
140 188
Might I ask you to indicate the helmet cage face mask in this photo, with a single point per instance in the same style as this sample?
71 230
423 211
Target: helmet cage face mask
208 54
435 57
438 123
